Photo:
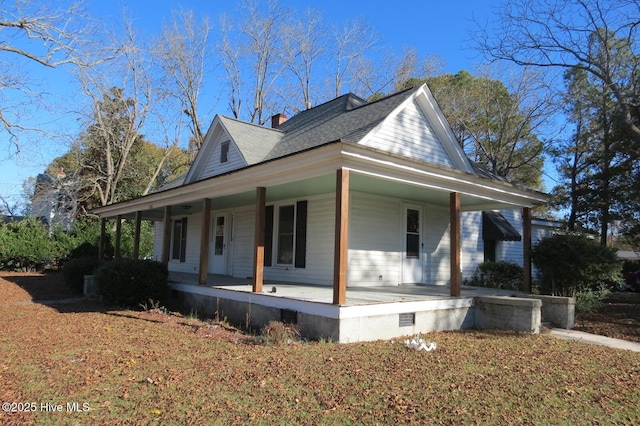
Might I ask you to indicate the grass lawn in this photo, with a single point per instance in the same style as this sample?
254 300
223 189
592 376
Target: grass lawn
147 367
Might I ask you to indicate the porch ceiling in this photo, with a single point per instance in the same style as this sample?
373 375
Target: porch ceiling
415 193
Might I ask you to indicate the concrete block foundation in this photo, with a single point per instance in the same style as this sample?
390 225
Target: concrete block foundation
375 321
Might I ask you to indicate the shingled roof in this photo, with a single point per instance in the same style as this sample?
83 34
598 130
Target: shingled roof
347 118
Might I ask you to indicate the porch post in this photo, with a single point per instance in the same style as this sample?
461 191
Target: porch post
136 235
103 234
258 251
341 237
526 247
454 220
118 249
204 242
166 235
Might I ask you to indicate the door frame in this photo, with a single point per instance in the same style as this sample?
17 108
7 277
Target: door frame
213 262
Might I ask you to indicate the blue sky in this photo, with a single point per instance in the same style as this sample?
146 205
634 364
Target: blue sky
432 27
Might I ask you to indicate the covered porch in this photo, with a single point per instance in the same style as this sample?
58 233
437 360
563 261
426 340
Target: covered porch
339 170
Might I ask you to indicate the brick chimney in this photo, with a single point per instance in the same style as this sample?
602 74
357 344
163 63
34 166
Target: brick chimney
277 120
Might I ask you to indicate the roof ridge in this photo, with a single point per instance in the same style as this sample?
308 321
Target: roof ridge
260 126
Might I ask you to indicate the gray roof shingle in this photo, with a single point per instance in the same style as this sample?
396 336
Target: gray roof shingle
347 118
253 141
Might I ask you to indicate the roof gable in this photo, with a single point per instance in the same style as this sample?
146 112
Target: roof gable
418 129
247 144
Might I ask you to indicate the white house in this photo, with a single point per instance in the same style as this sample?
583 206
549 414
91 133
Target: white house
346 194
55 200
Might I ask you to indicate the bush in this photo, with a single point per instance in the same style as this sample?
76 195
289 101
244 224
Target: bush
569 264
504 275
74 271
132 282
588 300
25 246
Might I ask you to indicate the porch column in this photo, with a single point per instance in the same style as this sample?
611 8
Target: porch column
118 248
204 241
136 235
258 251
166 235
454 221
341 237
526 247
103 234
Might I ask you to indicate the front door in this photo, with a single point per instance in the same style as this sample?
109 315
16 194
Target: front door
218 246
412 238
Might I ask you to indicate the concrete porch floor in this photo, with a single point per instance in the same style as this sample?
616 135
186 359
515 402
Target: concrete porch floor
356 296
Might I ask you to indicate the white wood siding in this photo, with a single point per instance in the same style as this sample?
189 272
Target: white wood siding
437 246
375 240
243 239
213 166
472 251
409 134
320 237
319 259
157 241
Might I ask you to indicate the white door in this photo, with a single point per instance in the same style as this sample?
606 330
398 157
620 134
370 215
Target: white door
412 239
218 244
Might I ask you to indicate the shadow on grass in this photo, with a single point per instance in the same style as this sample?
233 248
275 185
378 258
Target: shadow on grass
49 289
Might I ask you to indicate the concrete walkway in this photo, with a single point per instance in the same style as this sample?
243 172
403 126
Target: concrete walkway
594 339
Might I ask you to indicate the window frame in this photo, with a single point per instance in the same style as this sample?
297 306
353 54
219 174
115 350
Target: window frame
179 253
272 234
224 152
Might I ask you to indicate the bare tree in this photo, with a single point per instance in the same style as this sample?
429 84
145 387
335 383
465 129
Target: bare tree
351 43
304 43
181 54
560 34
252 57
230 56
39 34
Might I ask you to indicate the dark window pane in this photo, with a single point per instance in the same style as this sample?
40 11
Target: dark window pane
183 240
177 238
219 248
219 243
413 220
413 245
285 234
268 235
285 249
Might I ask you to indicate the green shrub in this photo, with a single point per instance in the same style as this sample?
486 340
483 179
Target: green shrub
132 282
504 275
589 300
74 271
25 245
569 264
